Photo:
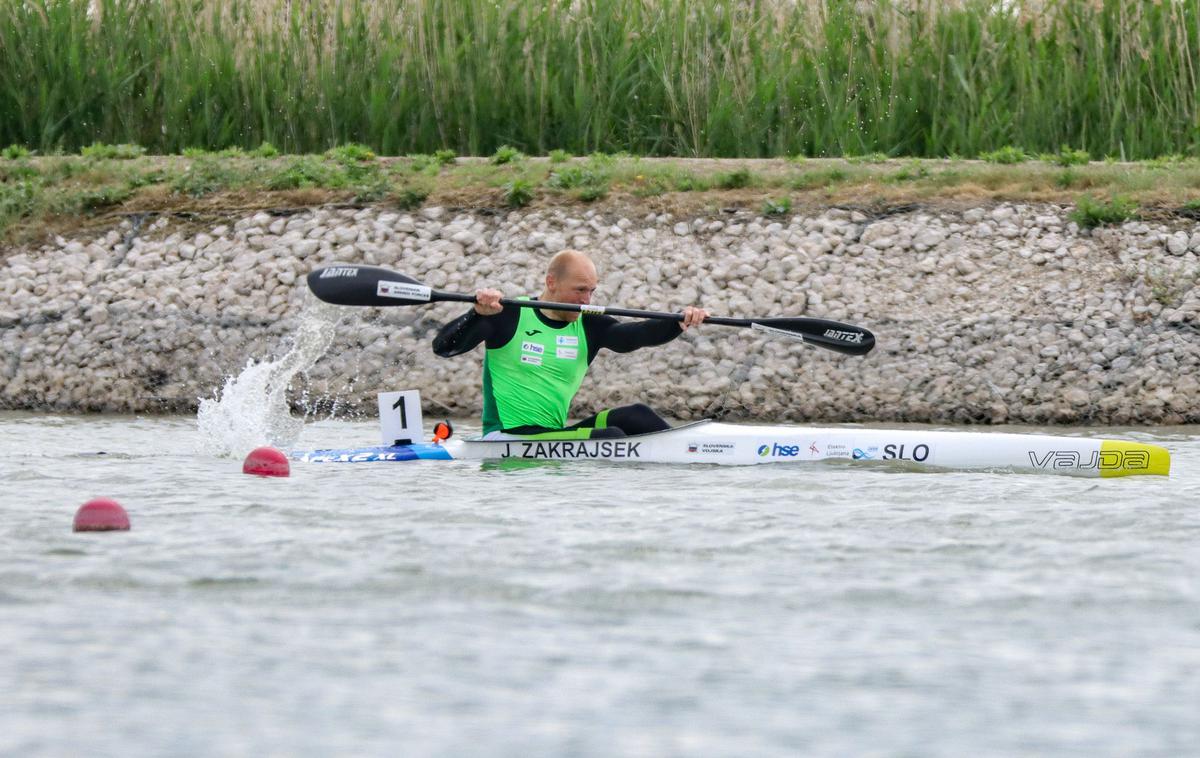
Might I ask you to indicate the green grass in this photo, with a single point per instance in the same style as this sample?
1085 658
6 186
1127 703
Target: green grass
1090 213
33 188
506 154
780 206
1067 157
1006 155
722 78
518 193
101 151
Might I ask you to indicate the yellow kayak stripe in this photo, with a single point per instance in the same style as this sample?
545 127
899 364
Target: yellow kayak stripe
1121 458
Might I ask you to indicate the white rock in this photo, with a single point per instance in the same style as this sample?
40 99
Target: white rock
1177 243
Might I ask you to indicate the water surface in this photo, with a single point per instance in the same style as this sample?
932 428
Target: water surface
584 608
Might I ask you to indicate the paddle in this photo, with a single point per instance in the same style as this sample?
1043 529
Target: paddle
350 284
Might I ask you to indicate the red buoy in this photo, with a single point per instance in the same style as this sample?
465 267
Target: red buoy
101 514
266 461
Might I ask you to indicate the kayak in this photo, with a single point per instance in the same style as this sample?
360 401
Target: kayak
715 442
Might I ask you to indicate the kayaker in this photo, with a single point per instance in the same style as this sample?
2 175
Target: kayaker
536 359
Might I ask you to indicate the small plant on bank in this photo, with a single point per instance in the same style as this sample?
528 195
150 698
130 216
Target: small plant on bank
578 176
265 150
814 179
1090 213
1167 288
203 177
446 157
193 152
350 153
1067 178
101 151
650 186
592 192
559 156
423 163
14 152
518 193
372 189
602 160
777 206
738 179
146 178
305 172
1005 156
686 181
408 198
1167 161
912 172
19 199
103 197
868 158
506 154
1067 157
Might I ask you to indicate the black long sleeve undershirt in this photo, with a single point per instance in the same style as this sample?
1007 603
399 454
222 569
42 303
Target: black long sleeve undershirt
468 330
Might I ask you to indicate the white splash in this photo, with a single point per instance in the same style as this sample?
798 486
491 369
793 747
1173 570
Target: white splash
252 408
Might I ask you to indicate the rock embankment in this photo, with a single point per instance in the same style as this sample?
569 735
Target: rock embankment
1005 313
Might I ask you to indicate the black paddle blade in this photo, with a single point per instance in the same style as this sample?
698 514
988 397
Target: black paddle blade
832 335
352 284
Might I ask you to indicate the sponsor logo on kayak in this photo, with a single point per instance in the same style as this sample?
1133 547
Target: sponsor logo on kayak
775 450
366 456
844 336
335 272
571 449
837 450
1101 460
711 448
865 453
906 452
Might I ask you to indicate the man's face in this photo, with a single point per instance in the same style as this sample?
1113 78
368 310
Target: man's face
575 285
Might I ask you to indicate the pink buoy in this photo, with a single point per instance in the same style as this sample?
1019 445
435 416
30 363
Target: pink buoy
101 514
266 461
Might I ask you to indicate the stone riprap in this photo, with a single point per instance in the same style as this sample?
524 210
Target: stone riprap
1005 313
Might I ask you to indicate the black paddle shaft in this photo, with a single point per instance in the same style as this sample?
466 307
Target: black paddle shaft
352 284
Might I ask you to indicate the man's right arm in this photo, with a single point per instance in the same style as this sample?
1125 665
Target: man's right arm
468 330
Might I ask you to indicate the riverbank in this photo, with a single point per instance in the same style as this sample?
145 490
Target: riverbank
986 311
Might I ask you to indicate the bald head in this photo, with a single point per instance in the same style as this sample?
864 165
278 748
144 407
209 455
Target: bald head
568 261
570 278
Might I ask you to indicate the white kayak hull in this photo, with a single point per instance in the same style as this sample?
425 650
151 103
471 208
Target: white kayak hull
735 444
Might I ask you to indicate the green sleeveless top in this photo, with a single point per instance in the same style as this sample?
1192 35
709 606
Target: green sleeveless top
531 380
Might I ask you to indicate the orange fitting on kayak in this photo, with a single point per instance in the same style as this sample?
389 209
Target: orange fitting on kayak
441 432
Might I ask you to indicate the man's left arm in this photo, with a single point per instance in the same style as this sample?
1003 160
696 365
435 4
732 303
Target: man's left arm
623 337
